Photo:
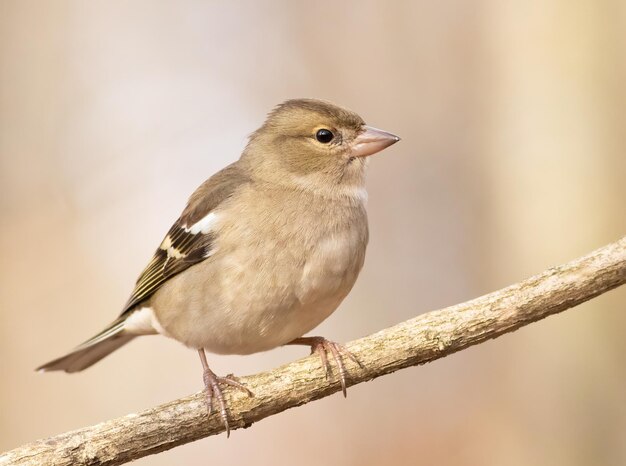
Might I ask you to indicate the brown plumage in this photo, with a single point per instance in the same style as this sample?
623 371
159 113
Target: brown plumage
265 249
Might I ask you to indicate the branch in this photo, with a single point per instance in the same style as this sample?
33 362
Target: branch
417 341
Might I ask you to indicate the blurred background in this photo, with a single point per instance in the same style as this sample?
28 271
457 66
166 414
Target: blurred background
512 160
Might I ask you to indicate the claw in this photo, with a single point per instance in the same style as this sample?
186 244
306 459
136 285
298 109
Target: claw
322 346
212 385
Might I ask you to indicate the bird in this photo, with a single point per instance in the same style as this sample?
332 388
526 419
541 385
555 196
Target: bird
264 251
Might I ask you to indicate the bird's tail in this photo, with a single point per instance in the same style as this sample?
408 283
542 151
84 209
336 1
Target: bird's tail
91 351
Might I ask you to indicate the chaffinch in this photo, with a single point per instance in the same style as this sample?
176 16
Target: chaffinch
264 251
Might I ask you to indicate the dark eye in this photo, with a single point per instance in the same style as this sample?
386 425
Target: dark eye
324 136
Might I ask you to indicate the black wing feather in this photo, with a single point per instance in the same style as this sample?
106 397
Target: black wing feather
180 249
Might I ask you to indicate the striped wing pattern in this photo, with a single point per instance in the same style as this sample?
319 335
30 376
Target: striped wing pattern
179 250
190 240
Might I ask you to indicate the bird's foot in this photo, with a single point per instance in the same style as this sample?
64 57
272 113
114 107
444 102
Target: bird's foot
213 390
324 347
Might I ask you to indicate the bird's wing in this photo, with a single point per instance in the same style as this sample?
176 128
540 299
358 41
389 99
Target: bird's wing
190 239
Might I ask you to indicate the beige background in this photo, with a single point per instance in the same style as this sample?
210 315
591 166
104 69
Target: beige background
512 115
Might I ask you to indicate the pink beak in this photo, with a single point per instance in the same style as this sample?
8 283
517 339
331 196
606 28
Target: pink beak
372 140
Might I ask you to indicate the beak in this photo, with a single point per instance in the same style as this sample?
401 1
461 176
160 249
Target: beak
372 140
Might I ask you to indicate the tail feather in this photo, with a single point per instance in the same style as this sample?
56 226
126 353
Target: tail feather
91 351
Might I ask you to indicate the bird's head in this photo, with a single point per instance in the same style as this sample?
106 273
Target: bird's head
316 145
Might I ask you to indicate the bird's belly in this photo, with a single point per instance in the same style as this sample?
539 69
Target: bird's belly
251 304
266 328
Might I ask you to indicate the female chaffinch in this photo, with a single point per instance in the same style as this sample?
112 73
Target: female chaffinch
264 251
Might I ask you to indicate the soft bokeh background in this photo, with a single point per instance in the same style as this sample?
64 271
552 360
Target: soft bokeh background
513 159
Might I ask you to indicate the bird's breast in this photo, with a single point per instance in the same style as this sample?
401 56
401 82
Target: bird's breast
291 257
332 265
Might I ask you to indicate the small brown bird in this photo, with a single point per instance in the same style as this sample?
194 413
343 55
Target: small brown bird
265 250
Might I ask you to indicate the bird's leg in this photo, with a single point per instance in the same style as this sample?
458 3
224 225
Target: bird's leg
322 346
212 384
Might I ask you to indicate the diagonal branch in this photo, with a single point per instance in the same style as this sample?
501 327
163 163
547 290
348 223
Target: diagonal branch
417 341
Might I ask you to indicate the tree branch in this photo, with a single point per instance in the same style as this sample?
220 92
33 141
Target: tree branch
417 341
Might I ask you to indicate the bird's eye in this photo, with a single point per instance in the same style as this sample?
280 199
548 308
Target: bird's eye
324 136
